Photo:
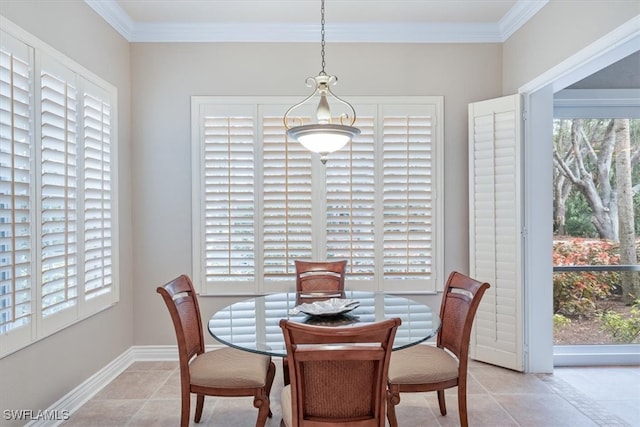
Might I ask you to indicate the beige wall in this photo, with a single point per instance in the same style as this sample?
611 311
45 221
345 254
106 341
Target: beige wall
39 375
165 76
561 29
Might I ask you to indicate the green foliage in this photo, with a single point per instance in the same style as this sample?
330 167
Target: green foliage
576 294
578 216
623 330
559 322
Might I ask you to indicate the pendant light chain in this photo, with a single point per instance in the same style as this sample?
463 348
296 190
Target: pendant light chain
323 136
322 73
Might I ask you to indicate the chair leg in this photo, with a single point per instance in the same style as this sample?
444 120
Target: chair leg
442 403
271 374
261 401
186 408
462 405
393 398
285 371
199 406
261 398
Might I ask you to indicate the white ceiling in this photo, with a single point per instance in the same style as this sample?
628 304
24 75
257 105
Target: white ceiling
447 21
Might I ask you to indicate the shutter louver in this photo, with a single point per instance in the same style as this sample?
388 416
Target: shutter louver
241 322
98 279
287 204
229 198
59 194
408 197
350 186
418 319
15 199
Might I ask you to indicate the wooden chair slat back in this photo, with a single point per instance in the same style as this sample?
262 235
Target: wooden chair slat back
338 375
460 302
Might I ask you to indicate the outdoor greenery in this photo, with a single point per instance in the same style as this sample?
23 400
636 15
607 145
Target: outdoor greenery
577 294
623 329
588 295
596 203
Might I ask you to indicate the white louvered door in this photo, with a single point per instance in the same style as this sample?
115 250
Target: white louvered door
495 238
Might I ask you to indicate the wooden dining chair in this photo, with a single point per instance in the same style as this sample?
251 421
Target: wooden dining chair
315 281
338 375
225 372
424 368
320 276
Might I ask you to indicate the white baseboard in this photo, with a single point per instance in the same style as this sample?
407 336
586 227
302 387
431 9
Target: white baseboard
77 397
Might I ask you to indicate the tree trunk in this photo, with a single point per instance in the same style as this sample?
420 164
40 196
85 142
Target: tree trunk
598 194
624 189
562 190
561 184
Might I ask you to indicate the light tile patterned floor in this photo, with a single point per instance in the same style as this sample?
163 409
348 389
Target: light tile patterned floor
147 394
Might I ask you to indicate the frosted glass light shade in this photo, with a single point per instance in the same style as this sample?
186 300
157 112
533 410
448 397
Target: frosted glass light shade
323 138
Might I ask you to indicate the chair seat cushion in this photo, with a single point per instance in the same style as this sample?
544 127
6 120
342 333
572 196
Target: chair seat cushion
285 404
422 364
229 368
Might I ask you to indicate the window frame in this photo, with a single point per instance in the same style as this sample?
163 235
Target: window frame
199 104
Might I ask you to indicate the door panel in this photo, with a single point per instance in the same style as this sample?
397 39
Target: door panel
495 229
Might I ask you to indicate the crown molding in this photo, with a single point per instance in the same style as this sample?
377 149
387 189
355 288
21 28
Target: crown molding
115 16
518 15
301 33
498 32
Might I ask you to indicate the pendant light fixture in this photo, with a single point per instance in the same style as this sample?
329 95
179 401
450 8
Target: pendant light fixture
324 136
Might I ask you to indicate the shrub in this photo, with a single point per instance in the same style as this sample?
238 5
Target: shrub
559 322
623 330
576 294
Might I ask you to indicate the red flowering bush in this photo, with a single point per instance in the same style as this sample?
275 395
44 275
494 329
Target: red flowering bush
576 294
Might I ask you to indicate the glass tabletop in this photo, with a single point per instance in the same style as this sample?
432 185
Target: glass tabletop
253 324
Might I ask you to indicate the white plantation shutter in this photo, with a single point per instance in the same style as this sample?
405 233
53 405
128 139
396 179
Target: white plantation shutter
495 229
274 308
57 191
241 322
98 202
229 196
417 319
350 208
16 212
409 197
374 203
59 188
287 201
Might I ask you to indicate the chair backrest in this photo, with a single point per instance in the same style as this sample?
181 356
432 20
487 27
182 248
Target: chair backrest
339 375
182 302
460 301
320 276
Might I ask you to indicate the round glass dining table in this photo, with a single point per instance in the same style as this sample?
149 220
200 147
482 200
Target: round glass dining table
253 324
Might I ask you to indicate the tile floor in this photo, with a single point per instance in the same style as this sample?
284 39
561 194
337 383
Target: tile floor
147 394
